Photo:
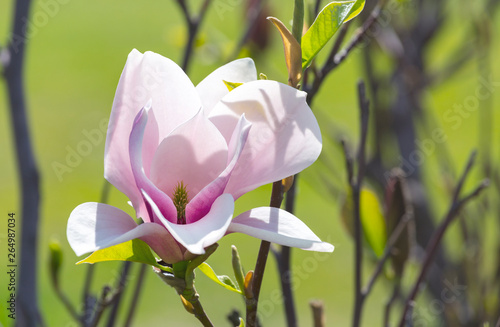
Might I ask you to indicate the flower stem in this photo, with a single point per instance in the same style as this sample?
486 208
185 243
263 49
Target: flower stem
199 313
298 20
192 297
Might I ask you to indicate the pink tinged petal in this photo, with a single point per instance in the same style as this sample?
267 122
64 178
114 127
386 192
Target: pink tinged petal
141 180
145 76
212 88
93 226
200 205
194 153
278 226
284 139
195 237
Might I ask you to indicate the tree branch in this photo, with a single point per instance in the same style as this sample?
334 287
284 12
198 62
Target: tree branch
260 266
193 25
135 297
28 313
356 197
318 311
336 58
119 292
452 213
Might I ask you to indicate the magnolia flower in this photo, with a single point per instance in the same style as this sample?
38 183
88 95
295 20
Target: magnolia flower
184 154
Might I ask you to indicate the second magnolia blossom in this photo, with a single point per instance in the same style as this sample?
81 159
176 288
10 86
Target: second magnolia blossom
183 154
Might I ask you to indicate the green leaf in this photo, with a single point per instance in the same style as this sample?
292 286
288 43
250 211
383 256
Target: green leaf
134 250
355 10
326 25
231 85
373 221
222 280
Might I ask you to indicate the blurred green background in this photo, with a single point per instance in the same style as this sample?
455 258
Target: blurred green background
74 60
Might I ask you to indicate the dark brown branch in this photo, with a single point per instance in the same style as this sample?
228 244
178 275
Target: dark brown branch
193 25
318 312
118 293
283 258
336 58
67 303
252 24
136 296
260 266
87 298
102 303
28 313
390 302
432 247
356 197
387 252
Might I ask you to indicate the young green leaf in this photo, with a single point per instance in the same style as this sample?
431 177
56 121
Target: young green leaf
292 52
133 250
326 25
372 220
222 280
355 10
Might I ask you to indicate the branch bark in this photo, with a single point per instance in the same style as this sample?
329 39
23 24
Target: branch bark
28 313
456 204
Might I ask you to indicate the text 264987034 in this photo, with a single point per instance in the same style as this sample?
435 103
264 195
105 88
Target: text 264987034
11 265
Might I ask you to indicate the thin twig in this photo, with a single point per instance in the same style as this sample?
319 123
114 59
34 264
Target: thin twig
118 293
260 266
252 24
318 312
283 258
339 57
316 7
390 302
193 25
452 213
102 303
356 197
356 39
86 316
27 294
348 162
387 252
67 303
338 41
135 297
461 181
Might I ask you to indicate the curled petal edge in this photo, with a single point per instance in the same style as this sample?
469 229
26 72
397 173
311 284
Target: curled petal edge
278 226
